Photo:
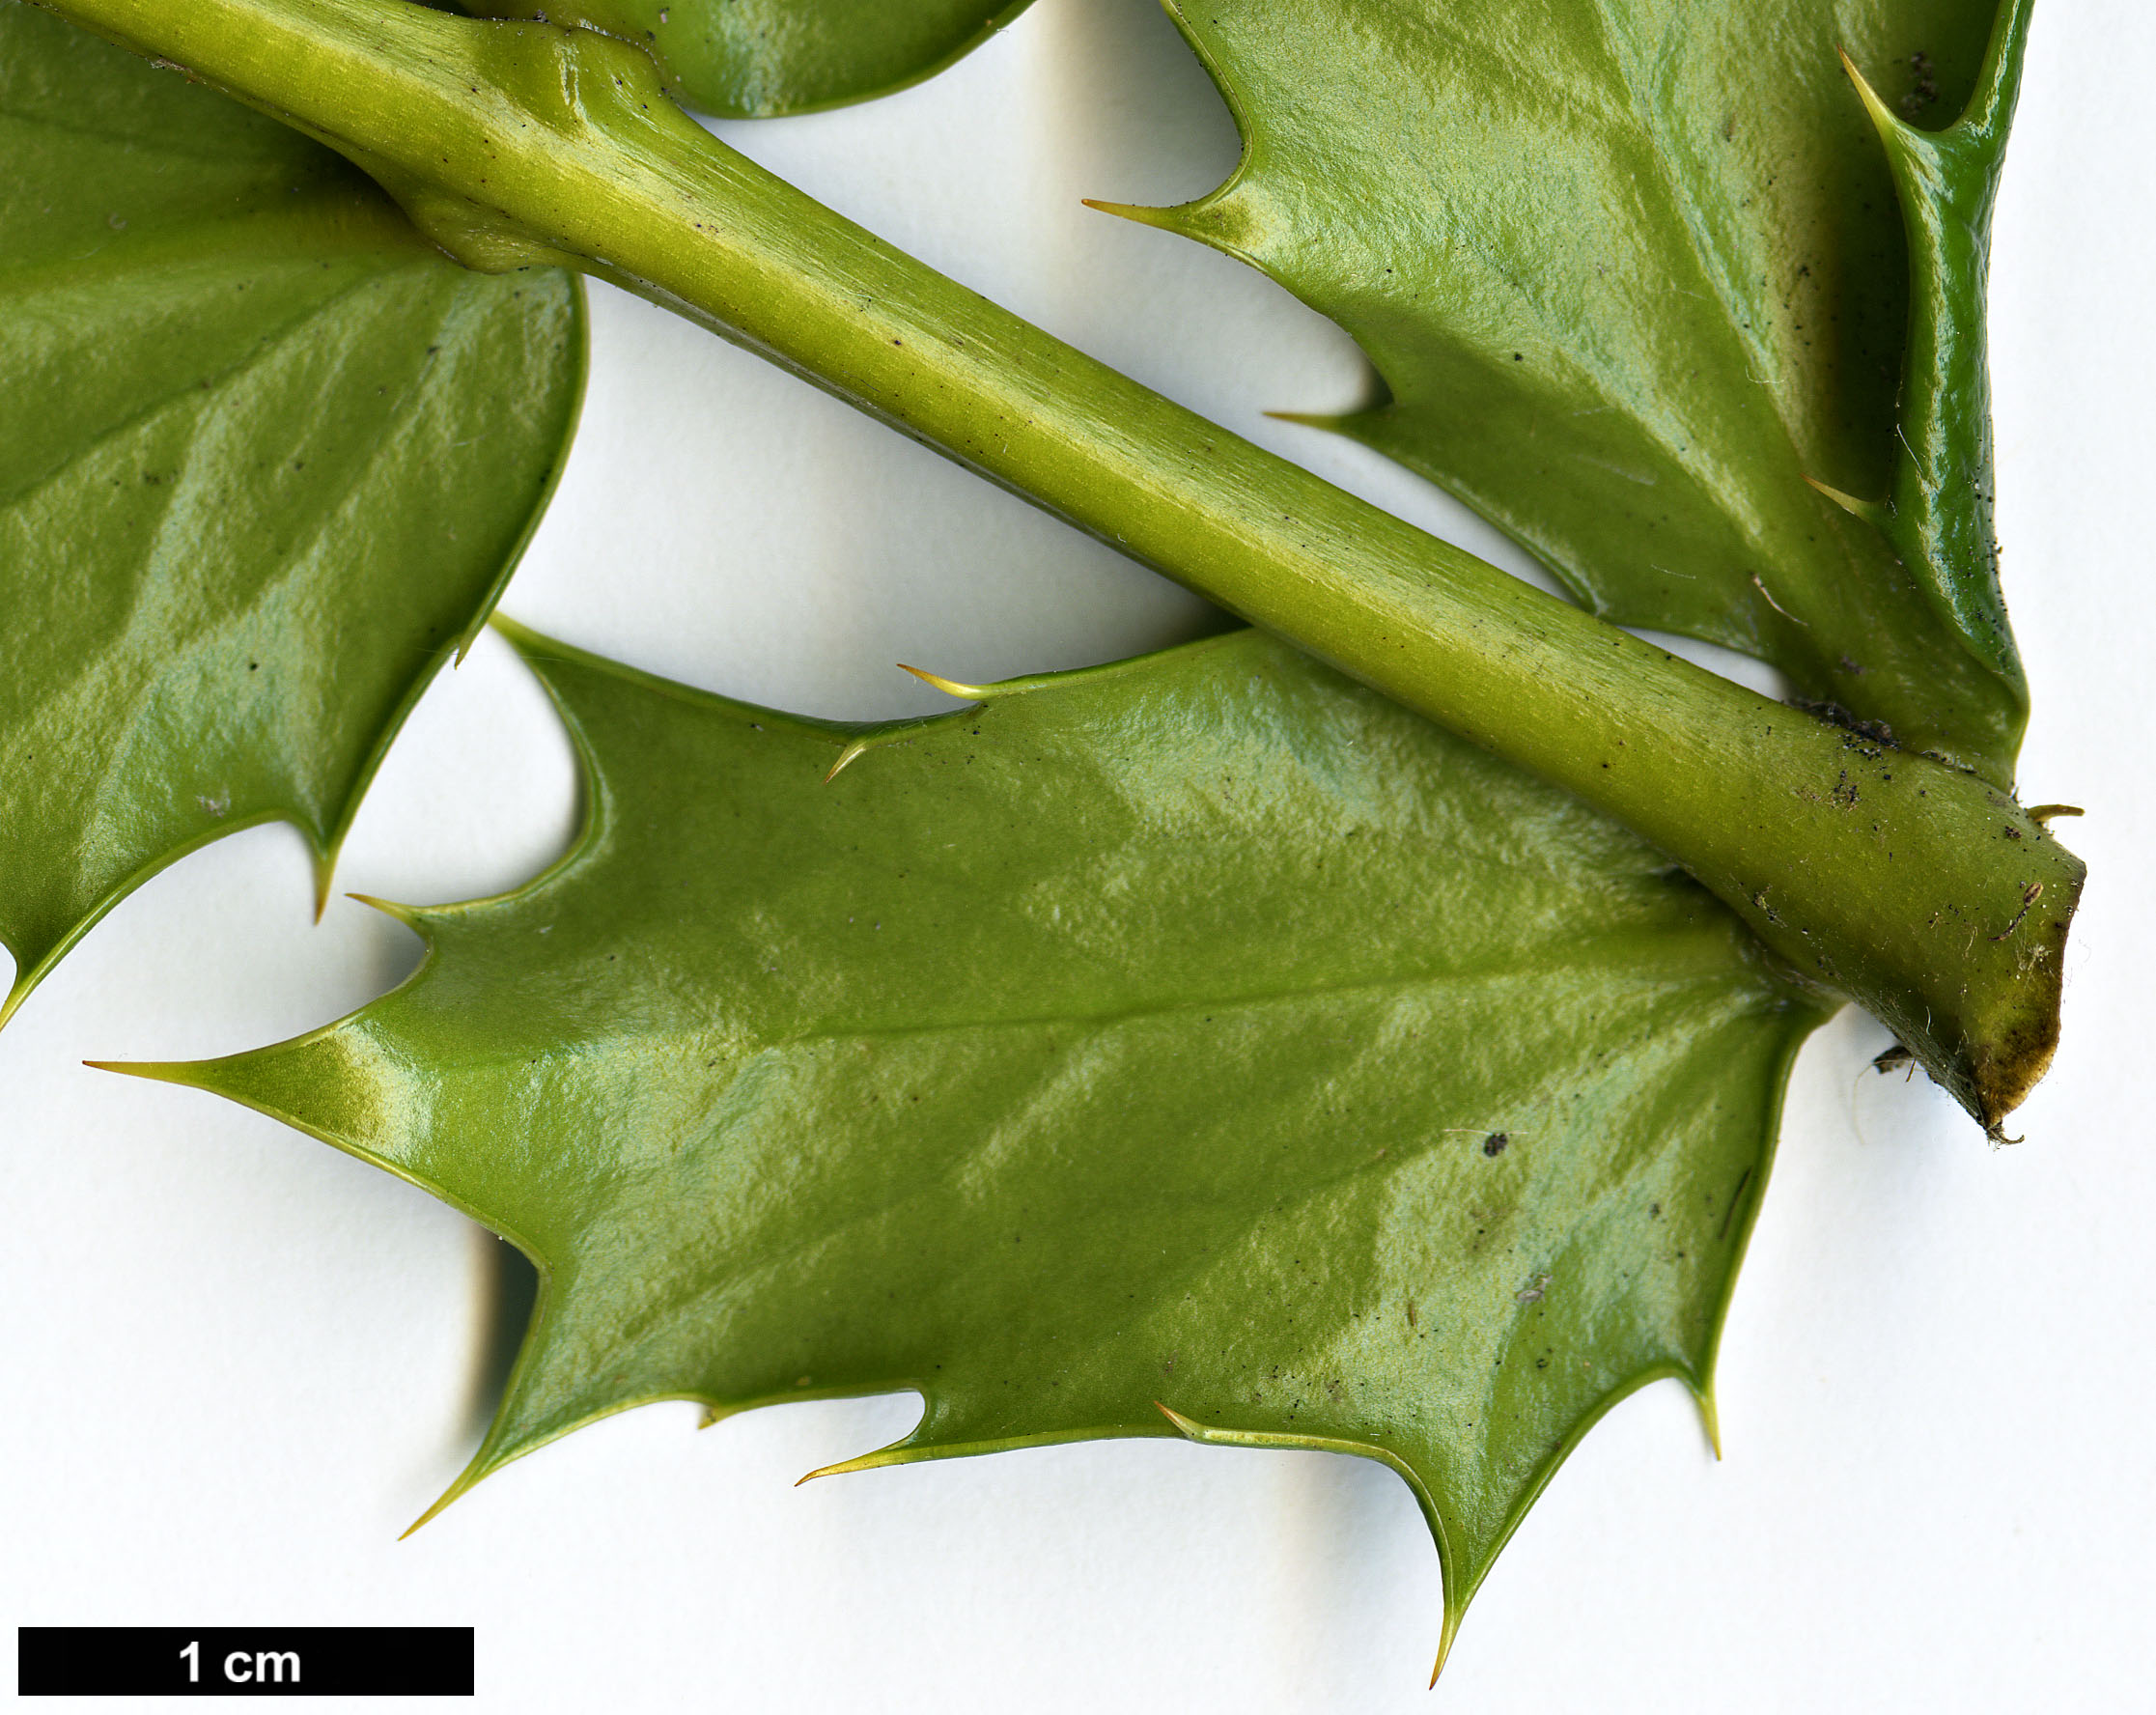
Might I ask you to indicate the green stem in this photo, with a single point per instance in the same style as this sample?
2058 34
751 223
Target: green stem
1929 897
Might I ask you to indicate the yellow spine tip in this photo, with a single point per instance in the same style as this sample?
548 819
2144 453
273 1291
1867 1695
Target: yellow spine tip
966 694
1165 219
874 1461
406 914
1444 1642
1873 511
838 1470
1883 121
157 1071
455 1491
1188 1427
325 875
856 748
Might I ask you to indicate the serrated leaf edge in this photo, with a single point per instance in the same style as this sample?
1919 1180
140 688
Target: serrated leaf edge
1460 1585
325 845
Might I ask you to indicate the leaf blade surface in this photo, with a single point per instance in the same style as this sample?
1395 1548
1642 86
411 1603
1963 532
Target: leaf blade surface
267 457
1637 279
1202 1033
756 59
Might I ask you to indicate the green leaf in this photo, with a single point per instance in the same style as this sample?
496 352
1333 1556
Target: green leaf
752 58
1635 274
266 459
1939 904
1203 1032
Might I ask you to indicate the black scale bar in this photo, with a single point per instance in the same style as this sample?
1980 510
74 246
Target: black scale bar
244 1661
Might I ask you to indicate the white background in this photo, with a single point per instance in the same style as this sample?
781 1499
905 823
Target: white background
237 1363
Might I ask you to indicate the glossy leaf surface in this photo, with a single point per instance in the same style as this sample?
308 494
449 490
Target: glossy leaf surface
266 458
1636 276
1202 1033
752 58
521 144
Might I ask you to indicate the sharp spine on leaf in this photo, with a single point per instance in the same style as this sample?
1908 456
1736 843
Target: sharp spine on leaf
611 170
1334 421
858 748
966 694
1215 219
406 914
1451 1630
900 731
1164 218
1455 1600
1875 513
325 875
1710 1419
455 1492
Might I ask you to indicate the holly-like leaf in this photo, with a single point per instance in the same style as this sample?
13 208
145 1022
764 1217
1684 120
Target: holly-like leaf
1195 1043
1637 278
752 58
266 459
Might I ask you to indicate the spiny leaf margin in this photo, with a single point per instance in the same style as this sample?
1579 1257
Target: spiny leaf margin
556 1090
1581 246
245 405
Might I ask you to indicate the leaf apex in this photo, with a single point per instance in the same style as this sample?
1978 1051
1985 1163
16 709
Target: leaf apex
1450 1631
1710 1419
466 1480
